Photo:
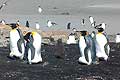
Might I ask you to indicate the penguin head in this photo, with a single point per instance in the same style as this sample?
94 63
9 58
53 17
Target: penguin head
13 25
83 33
100 30
118 34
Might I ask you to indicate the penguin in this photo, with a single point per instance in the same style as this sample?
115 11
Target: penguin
49 23
4 4
37 26
87 49
3 22
68 25
83 22
27 24
102 45
92 21
117 40
71 39
17 46
39 9
33 47
59 49
18 22
102 25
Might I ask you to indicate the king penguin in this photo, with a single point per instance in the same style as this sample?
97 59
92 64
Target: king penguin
102 45
17 46
86 47
33 47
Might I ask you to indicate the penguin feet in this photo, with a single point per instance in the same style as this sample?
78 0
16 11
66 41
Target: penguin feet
13 57
103 59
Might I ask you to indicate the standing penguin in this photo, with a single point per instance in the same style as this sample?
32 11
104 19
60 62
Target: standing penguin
50 23
87 49
83 22
39 9
3 22
117 40
17 46
27 24
71 39
102 44
37 26
92 21
33 47
68 25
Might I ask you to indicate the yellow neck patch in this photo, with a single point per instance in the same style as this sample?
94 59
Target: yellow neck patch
13 30
99 33
33 33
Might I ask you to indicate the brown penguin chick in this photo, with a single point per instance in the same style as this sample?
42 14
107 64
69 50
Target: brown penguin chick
59 49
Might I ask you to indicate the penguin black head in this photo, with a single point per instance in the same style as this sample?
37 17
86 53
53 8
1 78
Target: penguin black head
100 29
90 16
13 25
72 34
118 34
26 37
83 33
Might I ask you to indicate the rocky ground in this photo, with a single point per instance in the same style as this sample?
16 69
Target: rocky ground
54 68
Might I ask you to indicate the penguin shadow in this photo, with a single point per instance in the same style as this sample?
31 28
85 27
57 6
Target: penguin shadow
81 63
13 58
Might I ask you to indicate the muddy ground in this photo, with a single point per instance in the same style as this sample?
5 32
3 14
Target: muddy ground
53 68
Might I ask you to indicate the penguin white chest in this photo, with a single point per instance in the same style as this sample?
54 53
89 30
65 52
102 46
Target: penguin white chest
14 37
117 38
82 44
37 40
101 41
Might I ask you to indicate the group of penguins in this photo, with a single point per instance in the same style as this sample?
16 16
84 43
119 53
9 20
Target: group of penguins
92 46
26 47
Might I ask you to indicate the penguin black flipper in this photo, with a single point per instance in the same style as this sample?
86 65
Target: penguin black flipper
20 41
106 49
32 51
86 54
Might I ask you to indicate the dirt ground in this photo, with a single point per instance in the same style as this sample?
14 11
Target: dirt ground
53 68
